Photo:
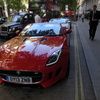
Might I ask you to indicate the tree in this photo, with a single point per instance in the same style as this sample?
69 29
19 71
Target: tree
5 7
74 6
13 4
17 4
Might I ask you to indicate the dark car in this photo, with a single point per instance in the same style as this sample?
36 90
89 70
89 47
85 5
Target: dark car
14 23
3 20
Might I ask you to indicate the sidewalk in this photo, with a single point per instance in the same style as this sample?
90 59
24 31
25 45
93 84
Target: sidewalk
92 54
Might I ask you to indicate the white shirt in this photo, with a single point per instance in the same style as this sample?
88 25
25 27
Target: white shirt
93 15
37 19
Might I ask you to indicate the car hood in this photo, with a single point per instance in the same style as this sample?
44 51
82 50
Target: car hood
28 53
7 24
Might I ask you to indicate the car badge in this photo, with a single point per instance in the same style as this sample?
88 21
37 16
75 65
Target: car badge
36 73
18 72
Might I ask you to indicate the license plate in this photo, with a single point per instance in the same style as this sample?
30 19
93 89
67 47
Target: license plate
4 34
19 79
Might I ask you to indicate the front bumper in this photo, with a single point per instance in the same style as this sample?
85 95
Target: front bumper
44 78
36 76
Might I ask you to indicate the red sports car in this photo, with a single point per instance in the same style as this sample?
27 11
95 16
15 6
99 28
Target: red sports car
39 55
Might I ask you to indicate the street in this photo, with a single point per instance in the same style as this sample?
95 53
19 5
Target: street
78 85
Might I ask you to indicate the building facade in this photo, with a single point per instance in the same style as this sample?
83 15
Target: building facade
88 4
50 8
80 8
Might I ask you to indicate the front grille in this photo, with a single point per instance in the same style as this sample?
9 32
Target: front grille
36 76
4 29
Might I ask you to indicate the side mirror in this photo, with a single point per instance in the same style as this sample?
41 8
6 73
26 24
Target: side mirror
68 30
19 20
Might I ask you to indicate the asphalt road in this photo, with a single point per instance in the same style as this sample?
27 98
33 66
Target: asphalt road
77 86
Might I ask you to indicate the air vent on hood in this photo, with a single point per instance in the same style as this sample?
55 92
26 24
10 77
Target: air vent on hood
44 39
24 39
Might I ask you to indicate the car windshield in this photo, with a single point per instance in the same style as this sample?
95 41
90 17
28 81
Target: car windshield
2 19
15 18
41 30
59 20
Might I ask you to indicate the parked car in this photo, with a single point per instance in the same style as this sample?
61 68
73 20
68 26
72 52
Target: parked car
64 21
15 22
3 20
39 55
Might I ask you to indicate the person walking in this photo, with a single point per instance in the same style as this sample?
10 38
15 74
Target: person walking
93 23
82 17
37 18
79 16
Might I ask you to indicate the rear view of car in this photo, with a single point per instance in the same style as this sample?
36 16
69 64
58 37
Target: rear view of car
62 21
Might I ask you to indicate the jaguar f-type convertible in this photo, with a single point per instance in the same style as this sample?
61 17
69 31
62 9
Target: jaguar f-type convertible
38 55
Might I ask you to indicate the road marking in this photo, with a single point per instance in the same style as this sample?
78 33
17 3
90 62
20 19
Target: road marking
78 73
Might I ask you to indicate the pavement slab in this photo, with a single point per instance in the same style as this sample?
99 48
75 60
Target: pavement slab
92 54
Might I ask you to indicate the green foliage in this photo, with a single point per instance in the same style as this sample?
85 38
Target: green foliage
1 3
16 4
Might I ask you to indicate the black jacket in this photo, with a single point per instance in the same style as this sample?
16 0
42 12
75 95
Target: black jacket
96 16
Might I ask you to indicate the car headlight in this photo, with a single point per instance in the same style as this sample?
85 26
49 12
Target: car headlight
12 29
54 58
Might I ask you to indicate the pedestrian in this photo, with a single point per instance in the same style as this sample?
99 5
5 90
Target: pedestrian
76 16
82 17
79 16
37 18
93 23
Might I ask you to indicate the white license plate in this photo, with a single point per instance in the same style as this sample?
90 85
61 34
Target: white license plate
4 34
19 79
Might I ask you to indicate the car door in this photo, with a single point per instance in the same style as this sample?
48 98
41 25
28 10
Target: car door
66 35
31 18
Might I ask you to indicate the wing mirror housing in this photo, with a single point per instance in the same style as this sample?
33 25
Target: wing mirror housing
66 30
17 32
